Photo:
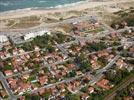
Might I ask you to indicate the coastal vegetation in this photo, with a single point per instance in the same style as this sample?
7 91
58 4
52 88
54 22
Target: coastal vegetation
126 17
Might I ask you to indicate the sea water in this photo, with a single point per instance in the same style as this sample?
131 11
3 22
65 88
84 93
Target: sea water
6 5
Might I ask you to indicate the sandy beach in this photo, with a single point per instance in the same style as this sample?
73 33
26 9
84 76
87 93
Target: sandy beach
33 18
78 7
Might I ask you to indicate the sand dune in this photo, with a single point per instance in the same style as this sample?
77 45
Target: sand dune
77 7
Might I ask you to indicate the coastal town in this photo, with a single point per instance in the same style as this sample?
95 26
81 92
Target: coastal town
80 58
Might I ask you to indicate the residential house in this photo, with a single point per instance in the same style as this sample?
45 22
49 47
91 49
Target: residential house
104 84
120 63
41 92
90 89
3 93
3 38
43 80
8 72
13 83
84 96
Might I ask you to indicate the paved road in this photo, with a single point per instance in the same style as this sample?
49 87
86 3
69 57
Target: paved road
100 34
49 65
109 65
57 83
18 55
0 98
93 79
47 26
65 53
6 86
99 75
69 43
99 72
29 71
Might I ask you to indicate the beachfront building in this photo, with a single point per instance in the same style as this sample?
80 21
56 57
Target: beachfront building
3 38
35 34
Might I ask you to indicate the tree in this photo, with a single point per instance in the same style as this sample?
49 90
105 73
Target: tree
72 73
102 60
131 61
97 96
125 53
46 95
50 49
32 97
82 62
59 37
35 97
85 65
8 67
61 18
124 92
96 46
116 78
84 89
72 97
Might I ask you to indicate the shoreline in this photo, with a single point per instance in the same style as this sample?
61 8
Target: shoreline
47 8
78 6
13 17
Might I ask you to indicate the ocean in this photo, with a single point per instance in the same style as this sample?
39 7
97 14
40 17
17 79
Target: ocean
7 5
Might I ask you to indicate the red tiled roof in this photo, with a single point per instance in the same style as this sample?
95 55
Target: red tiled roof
43 80
104 84
8 72
131 49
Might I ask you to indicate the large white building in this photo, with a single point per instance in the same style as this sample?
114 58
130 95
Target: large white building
35 34
3 38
